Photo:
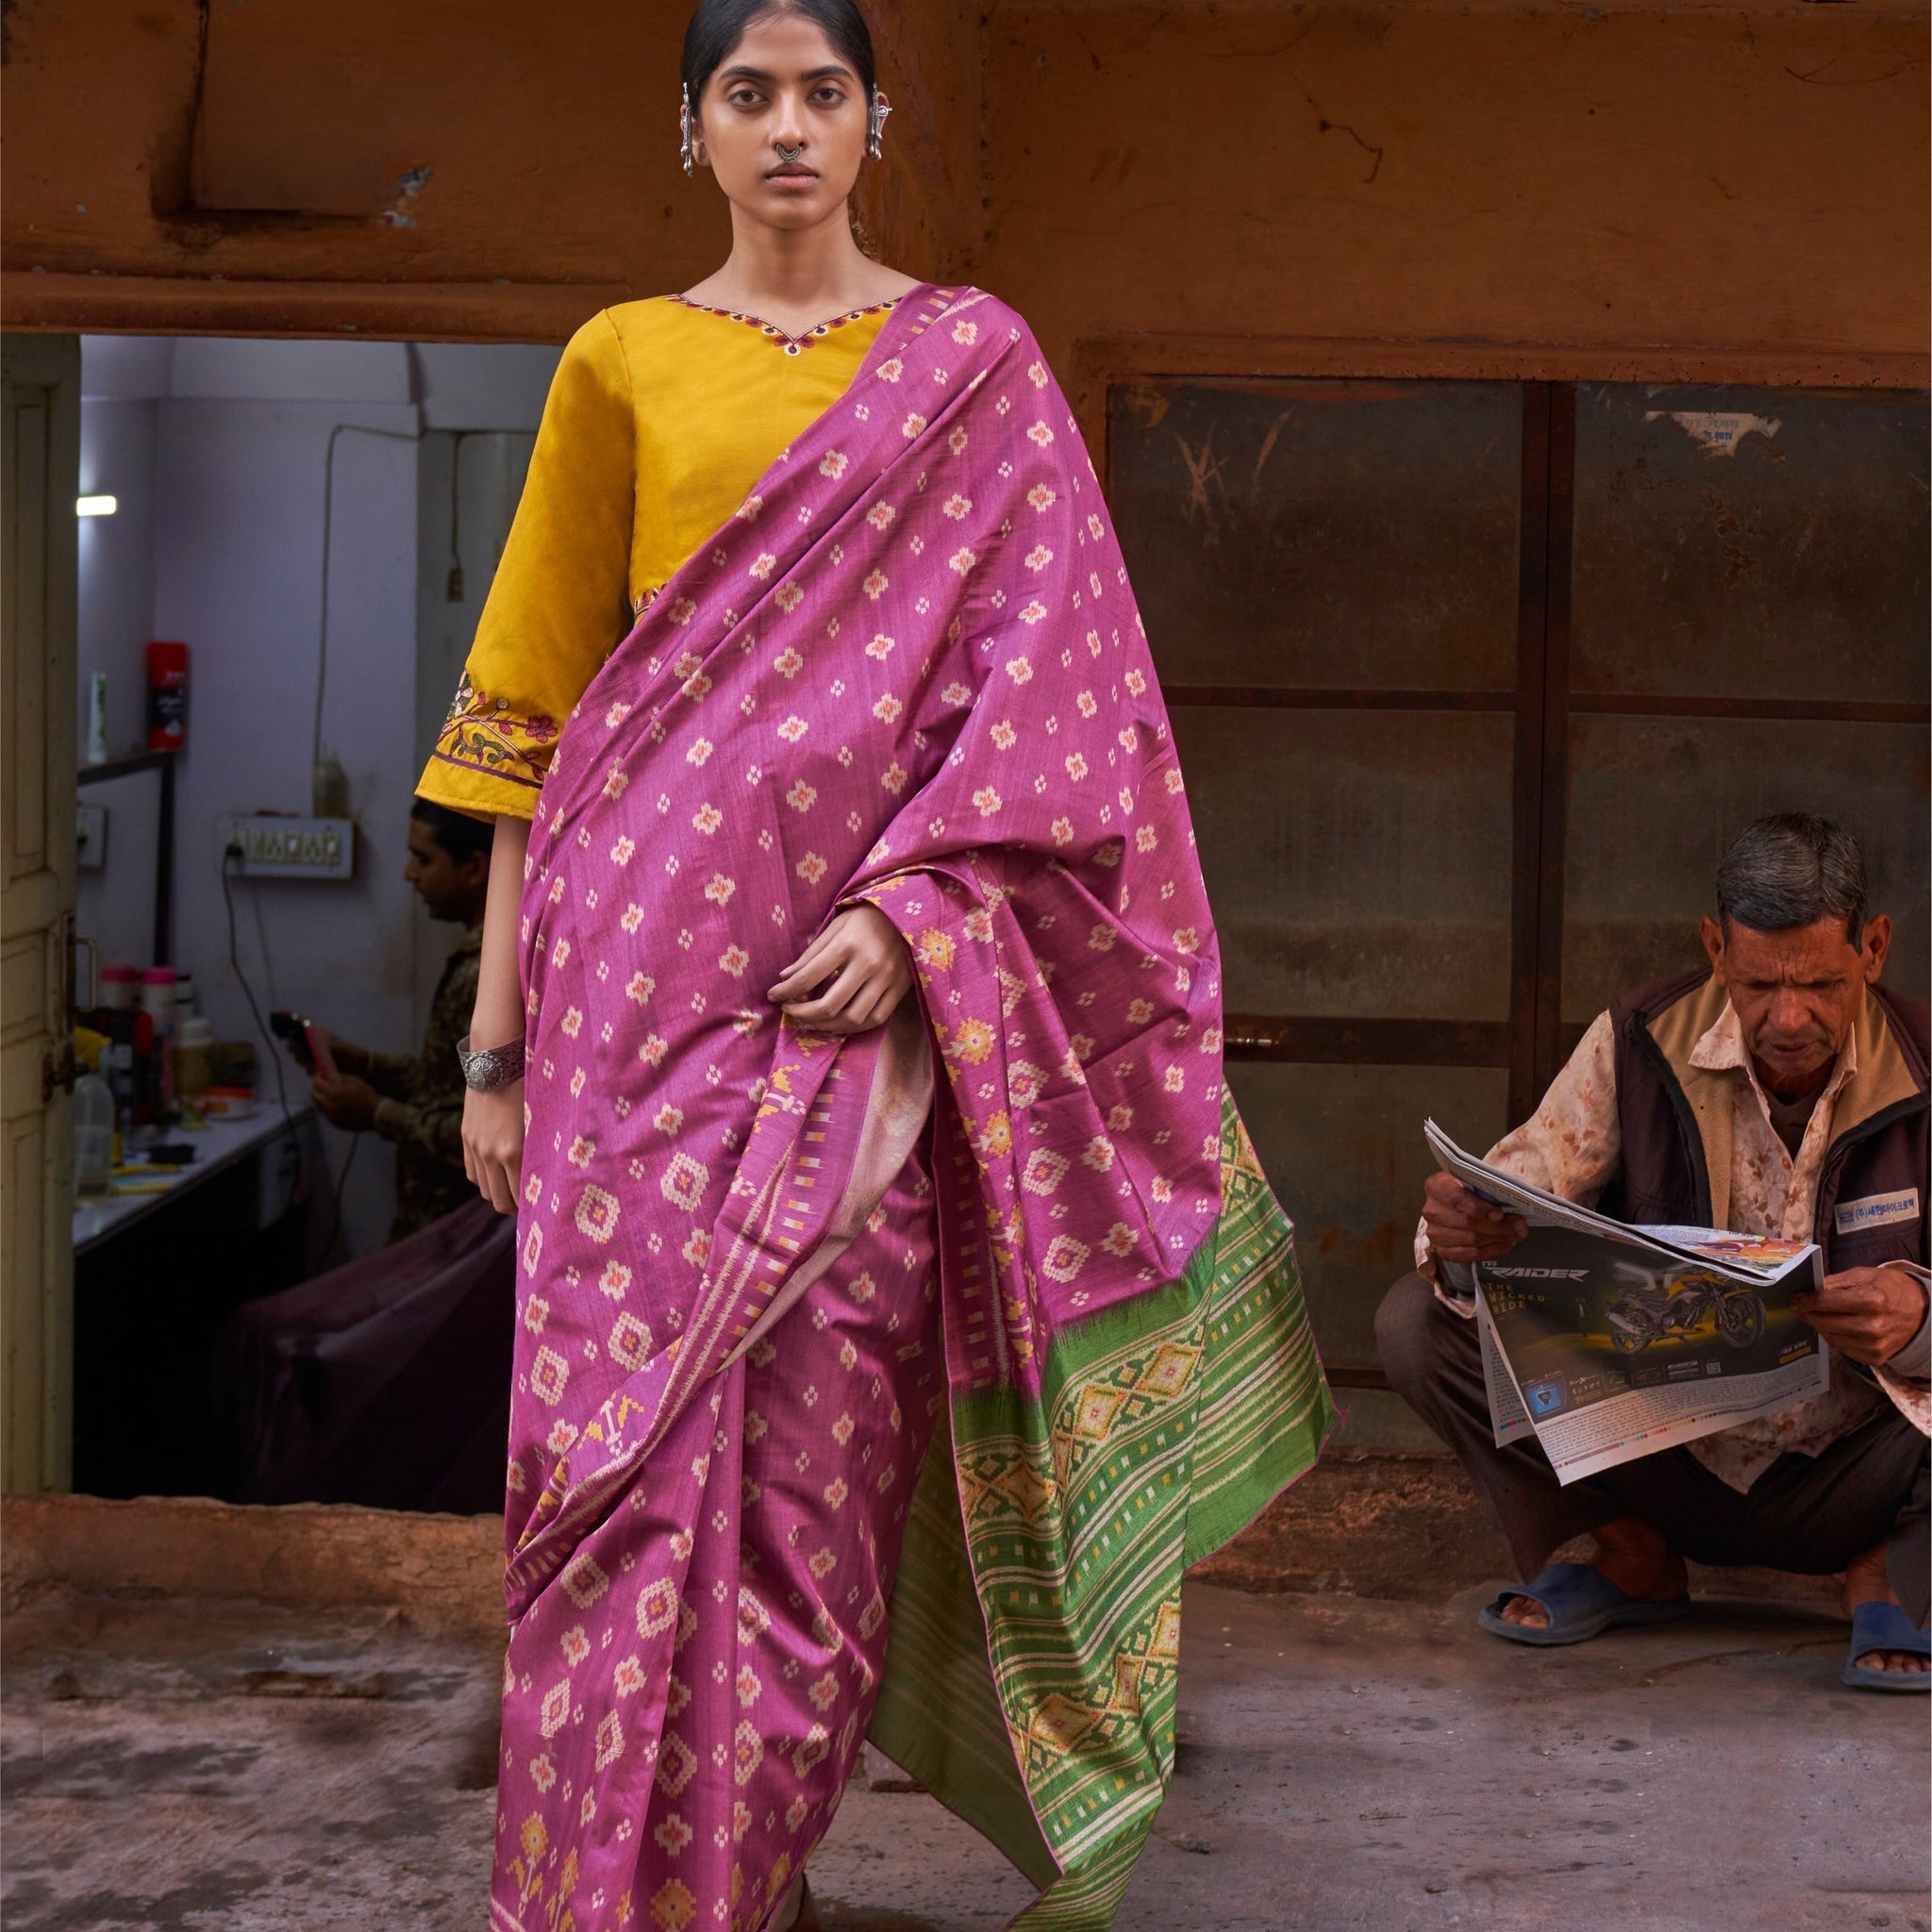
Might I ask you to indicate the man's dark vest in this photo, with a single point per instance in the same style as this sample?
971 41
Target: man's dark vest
1675 1124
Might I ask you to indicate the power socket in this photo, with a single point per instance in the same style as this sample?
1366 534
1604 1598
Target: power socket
91 836
280 848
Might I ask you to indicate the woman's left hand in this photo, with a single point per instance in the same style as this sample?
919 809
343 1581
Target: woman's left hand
859 969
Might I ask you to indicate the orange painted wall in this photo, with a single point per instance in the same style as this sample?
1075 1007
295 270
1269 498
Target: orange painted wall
1600 190
251 168
1603 180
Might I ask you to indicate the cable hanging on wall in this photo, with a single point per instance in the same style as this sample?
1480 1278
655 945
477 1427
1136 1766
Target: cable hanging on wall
328 785
453 587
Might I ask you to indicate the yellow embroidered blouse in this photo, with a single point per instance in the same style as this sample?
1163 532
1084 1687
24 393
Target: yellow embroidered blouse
662 417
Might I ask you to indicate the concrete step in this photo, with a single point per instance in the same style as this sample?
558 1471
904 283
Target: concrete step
1398 1527
1411 1528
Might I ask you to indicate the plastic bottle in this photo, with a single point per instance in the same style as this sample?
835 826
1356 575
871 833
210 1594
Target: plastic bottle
330 793
167 696
147 1068
194 1056
97 719
118 1061
120 988
93 1135
157 1002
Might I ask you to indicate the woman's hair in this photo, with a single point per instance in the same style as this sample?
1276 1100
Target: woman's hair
717 26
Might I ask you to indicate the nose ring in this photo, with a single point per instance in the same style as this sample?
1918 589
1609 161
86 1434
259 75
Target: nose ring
788 154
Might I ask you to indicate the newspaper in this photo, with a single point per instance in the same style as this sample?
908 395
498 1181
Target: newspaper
1609 1341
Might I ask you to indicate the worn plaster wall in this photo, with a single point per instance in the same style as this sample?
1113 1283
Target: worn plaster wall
1637 182
1640 182
470 168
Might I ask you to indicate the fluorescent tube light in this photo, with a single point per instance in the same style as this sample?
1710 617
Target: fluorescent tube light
95 505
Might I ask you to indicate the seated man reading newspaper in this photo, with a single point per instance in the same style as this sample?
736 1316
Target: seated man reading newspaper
1781 1092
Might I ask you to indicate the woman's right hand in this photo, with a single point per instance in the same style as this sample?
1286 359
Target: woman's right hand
494 1122
493 1143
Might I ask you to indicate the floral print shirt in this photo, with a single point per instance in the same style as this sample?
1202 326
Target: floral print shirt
421 1109
1572 1145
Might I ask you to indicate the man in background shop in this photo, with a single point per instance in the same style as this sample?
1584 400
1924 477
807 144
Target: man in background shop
386 1381
416 1099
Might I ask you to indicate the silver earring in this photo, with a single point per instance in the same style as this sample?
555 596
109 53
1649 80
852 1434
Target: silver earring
684 132
875 145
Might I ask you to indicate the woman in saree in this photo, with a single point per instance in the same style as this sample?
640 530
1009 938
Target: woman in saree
900 1305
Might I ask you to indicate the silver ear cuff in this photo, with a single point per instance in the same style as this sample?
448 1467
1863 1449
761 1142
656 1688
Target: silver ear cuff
684 131
875 145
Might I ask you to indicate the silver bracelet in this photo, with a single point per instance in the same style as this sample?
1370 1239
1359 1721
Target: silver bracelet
488 1067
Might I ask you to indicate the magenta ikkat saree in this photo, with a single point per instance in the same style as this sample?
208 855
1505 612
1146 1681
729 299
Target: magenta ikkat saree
889 1383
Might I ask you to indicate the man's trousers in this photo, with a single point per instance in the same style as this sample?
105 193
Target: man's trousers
1805 1513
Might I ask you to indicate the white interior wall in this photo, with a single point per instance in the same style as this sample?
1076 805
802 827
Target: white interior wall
114 621
481 407
125 367
215 450
469 482
482 385
237 574
115 615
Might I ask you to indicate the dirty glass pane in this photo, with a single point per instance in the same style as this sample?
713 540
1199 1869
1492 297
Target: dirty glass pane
1343 1147
1750 543
1322 533
1359 861
1655 802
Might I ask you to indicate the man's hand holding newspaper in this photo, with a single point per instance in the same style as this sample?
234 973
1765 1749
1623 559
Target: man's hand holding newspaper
1463 1228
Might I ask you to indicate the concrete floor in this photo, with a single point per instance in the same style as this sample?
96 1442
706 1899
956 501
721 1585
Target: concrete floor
182 1766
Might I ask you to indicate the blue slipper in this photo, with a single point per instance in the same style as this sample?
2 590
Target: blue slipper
1886 1626
1582 1603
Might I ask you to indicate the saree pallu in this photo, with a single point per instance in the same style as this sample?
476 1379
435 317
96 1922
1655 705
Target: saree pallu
886 1383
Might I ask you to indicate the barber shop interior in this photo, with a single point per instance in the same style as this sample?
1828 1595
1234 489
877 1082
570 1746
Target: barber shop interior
249 868
1519 465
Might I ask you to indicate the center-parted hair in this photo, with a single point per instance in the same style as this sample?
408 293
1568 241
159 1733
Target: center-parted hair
717 26
1792 869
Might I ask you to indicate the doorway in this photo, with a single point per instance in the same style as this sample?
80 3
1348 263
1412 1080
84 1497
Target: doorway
312 527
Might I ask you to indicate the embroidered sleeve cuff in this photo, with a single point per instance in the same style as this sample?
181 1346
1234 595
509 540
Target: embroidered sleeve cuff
489 760
475 794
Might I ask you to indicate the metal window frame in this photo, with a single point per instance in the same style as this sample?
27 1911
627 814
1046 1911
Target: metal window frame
1532 1043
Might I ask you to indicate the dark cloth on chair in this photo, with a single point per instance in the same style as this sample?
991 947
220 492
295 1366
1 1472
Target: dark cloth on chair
384 1382
1809 1514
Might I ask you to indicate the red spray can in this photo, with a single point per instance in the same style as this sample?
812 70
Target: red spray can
167 696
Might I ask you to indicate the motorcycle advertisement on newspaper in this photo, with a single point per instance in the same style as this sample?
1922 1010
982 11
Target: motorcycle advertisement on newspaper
1609 1340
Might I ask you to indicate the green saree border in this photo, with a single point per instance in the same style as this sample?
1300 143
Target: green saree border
1032 1667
